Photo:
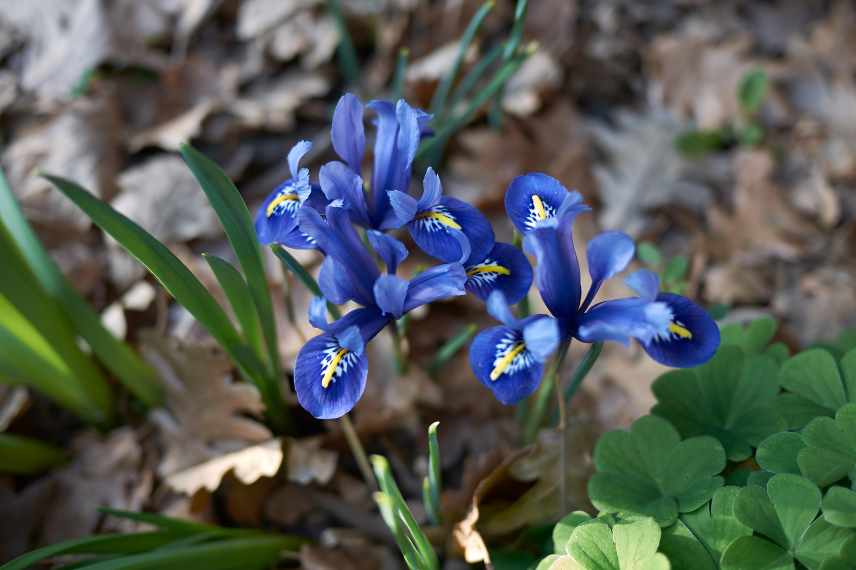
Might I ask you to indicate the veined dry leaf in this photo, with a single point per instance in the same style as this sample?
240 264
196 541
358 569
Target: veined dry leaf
258 16
643 170
316 37
207 414
80 144
272 105
248 465
171 134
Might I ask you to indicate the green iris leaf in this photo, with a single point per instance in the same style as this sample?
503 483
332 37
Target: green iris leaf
650 471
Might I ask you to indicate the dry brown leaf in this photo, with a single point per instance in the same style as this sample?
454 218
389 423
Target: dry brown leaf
308 463
642 170
171 134
525 91
106 471
314 36
818 304
68 38
272 105
258 16
207 414
163 197
698 79
248 465
80 144
763 225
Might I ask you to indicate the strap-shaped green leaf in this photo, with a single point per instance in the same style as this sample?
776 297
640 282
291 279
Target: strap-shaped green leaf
116 355
241 301
235 217
23 455
166 267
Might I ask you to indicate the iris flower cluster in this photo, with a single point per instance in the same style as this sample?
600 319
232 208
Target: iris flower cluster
348 218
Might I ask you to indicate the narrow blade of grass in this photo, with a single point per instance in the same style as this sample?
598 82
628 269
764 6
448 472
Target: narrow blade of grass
400 74
438 102
236 220
175 277
26 456
22 290
347 55
433 480
473 76
509 49
117 356
103 544
451 348
26 358
241 301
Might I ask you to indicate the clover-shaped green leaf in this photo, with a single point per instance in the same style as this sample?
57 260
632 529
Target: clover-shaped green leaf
753 338
683 549
650 471
839 507
785 520
716 525
830 452
626 546
732 398
778 453
815 385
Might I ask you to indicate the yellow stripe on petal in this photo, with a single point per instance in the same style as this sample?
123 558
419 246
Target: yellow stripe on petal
444 219
331 369
506 360
540 211
680 330
282 198
498 269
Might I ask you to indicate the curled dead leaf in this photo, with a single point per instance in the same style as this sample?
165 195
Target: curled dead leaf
248 465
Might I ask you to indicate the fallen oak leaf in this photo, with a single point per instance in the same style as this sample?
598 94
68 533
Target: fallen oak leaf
248 465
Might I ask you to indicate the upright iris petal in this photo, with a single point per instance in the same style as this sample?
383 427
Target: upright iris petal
277 216
504 269
348 133
438 223
608 254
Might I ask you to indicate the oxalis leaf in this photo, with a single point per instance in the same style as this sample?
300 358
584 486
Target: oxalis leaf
753 338
732 398
830 447
716 525
816 386
593 545
784 518
650 471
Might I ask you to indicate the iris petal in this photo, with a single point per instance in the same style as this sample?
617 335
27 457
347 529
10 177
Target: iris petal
624 319
277 216
645 283
692 336
557 273
438 231
329 378
500 360
541 335
432 190
608 253
339 182
297 152
435 284
390 293
532 198
504 269
348 133
390 250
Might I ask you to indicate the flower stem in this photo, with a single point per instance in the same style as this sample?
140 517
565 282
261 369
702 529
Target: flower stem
582 370
398 349
561 427
535 418
359 451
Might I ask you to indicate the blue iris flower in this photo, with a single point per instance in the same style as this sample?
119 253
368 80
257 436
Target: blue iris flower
276 220
331 369
400 128
671 328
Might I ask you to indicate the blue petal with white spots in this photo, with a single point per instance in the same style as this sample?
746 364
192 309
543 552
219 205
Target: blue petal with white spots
533 198
329 378
500 360
691 337
277 216
504 269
